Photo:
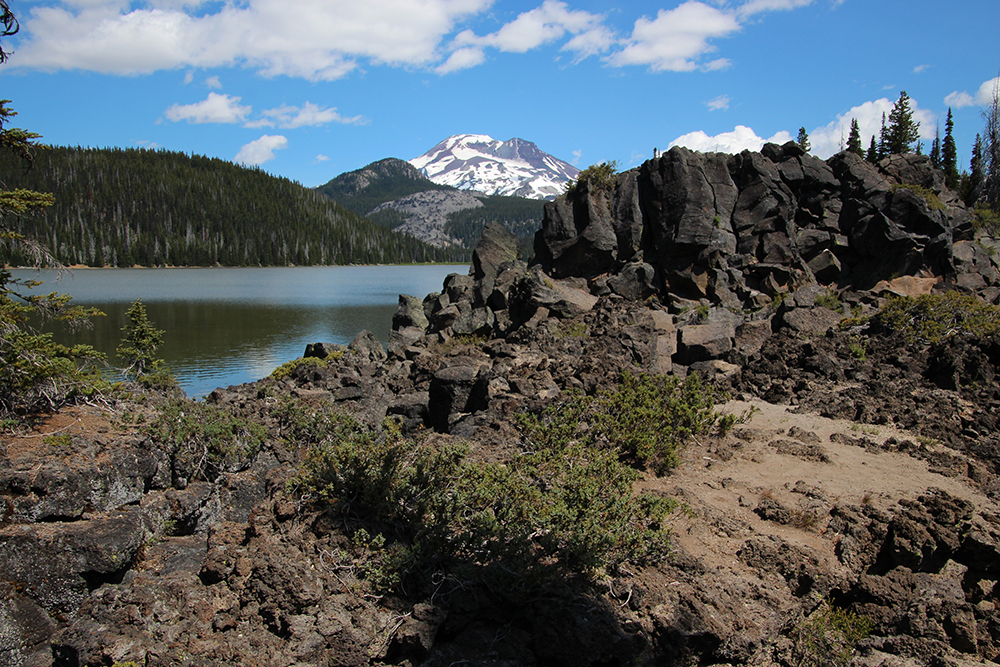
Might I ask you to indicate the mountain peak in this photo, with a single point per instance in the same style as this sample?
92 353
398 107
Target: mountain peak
515 167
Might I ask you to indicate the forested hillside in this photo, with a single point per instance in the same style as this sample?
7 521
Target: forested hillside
122 207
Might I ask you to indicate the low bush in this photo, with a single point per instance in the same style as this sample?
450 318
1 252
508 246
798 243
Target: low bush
600 177
647 418
205 440
926 193
932 318
829 637
555 508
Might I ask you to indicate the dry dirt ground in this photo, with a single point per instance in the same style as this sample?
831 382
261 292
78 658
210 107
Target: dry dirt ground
806 463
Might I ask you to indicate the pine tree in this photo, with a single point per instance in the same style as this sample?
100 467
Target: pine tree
949 156
991 149
872 155
803 140
138 346
977 174
902 131
883 140
936 149
854 139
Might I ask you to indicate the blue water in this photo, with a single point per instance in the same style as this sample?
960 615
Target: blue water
230 326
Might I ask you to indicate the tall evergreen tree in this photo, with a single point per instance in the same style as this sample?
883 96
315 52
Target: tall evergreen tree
991 148
803 140
949 156
977 173
902 131
873 155
935 154
854 139
883 140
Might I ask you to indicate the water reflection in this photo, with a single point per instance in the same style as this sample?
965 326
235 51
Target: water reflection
228 326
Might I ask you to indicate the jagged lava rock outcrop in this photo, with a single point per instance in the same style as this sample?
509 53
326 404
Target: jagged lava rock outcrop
738 230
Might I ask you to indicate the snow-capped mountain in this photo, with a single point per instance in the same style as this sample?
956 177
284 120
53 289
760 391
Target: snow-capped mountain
515 168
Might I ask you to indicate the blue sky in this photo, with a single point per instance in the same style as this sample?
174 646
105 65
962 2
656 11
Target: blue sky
309 89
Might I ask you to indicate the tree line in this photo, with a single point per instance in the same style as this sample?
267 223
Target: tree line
125 207
899 133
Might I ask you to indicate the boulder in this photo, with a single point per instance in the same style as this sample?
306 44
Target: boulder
409 313
496 247
456 389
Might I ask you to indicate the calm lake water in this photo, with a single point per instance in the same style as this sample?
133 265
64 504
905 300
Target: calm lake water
229 326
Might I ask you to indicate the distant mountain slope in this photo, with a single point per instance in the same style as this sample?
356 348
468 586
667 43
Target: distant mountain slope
119 207
364 189
393 193
478 162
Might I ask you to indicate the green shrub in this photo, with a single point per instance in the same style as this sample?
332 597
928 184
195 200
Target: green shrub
928 195
933 318
600 177
986 219
830 299
647 418
205 440
289 368
547 511
829 637
36 372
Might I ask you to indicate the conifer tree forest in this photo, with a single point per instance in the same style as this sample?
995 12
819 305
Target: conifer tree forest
125 207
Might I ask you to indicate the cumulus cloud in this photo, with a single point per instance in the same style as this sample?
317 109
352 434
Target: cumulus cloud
543 25
313 39
213 82
322 40
826 140
740 139
463 58
215 108
309 114
982 97
676 38
720 102
261 150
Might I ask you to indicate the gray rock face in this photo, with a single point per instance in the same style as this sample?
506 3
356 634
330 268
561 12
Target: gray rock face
428 213
729 227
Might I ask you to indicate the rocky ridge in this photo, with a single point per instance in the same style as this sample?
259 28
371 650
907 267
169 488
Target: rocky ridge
734 267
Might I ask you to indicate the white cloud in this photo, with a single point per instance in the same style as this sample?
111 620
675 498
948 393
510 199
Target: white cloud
959 100
720 102
740 139
548 23
261 150
463 58
577 154
321 158
676 38
322 40
757 6
982 97
188 78
314 39
215 108
290 117
919 69
826 140
213 82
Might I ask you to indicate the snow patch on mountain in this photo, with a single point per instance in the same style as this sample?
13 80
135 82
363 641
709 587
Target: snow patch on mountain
478 162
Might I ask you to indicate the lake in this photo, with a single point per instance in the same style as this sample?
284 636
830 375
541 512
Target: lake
230 326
